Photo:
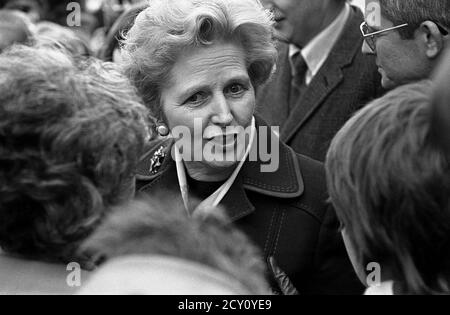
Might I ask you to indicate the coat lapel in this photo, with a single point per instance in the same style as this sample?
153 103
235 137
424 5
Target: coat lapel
327 79
285 181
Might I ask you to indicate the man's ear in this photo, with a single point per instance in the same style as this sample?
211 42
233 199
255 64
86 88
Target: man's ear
432 39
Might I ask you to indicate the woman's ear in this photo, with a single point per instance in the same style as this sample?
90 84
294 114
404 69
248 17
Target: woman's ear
431 37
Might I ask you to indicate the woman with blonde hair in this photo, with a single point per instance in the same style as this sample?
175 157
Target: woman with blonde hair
197 65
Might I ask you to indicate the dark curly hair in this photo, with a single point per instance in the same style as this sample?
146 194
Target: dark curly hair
70 138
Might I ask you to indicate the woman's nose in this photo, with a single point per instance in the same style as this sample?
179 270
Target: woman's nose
222 112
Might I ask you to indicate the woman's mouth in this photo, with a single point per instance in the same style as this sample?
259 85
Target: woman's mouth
224 141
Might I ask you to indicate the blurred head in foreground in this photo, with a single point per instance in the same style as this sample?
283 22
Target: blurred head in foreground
153 247
35 10
70 138
391 190
15 28
53 35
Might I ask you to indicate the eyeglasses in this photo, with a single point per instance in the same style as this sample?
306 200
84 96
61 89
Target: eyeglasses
441 29
370 37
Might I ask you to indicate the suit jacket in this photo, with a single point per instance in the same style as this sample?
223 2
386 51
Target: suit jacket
347 81
285 213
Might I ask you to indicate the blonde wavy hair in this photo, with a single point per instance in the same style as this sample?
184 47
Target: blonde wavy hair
167 27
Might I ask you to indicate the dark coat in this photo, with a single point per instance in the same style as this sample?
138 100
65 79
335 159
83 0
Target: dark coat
347 81
285 213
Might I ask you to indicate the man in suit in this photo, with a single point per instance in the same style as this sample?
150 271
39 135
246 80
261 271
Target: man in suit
322 77
407 37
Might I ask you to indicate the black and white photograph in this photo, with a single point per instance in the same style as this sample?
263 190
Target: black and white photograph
225 153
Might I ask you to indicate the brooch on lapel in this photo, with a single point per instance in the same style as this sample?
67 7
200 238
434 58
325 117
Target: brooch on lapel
157 160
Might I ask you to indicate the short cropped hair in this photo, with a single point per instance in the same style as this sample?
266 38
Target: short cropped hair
70 138
415 12
158 227
391 189
167 27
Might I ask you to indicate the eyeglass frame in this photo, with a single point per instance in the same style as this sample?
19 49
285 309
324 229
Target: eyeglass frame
372 36
371 43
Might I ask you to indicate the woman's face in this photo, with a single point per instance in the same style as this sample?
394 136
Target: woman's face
210 93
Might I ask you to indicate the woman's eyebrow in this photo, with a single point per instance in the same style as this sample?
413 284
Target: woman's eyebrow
241 78
190 90
195 88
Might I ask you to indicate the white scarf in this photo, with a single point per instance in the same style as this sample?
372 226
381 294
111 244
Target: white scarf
202 210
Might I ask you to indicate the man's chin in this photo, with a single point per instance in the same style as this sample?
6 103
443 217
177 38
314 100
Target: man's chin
283 32
388 84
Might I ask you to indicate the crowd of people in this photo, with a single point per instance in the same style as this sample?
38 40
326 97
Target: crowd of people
136 146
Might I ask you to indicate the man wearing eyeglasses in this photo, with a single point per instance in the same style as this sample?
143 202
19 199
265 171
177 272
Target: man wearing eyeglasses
322 77
406 36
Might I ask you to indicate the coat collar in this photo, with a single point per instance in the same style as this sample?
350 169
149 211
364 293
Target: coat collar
285 182
328 77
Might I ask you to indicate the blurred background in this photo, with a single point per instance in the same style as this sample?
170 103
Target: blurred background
103 23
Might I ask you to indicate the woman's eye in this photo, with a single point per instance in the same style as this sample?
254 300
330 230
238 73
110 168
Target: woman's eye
196 99
235 89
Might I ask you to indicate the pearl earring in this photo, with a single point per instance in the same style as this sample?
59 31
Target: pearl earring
162 130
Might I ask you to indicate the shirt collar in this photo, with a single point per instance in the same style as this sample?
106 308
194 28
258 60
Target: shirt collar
317 50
